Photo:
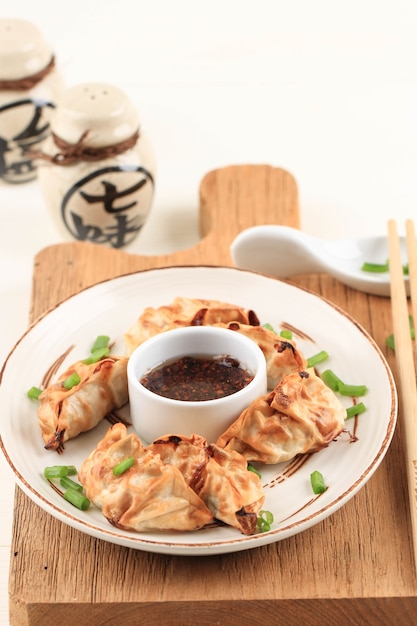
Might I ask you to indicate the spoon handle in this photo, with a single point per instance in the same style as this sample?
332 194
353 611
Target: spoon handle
280 251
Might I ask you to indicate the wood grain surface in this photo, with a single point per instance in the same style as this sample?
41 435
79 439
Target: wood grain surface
355 567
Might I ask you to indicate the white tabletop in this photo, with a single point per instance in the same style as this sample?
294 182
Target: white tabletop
327 90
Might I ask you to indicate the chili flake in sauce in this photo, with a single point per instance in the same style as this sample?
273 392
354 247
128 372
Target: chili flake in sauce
197 378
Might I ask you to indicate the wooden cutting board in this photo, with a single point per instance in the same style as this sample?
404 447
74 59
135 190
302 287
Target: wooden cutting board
353 568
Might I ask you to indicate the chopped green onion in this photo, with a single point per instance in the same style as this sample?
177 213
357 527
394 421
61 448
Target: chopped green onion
123 466
389 341
317 358
57 471
331 380
338 385
269 326
355 409
68 483
412 330
375 267
99 350
72 381
253 469
264 521
317 482
267 516
101 342
73 491
34 393
96 355
352 390
287 334
380 268
77 498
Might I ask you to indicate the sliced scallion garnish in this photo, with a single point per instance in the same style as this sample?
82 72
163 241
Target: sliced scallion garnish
287 334
123 466
34 393
317 482
412 329
68 483
253 469
77 498
264 521
96 355
390 340
99 350
58 471
317 358
72 381
102 341
352 390
345 389
331 380
355 409
378 268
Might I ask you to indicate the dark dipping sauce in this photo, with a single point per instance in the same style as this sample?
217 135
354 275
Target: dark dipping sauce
197 378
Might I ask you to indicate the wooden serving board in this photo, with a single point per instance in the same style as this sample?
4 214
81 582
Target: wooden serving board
355 567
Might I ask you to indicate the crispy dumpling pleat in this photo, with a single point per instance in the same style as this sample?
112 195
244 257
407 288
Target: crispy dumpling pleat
184 312
220 477
65 413
149 496
282 356
300 415
187 453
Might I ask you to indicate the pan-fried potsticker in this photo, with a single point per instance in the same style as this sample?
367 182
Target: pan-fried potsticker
65 413
220 477
300 415
184 312
176 483
282 356
150 495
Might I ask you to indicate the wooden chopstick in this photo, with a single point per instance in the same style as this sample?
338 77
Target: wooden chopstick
404 354
412 269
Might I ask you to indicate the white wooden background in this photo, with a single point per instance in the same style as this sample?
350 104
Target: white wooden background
327 90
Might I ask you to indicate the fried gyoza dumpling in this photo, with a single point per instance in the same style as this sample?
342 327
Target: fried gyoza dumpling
220 477
65 413
282 356
300 415
150 495
186 453
184 312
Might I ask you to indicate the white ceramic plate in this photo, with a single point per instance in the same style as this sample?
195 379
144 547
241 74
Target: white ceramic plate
111 308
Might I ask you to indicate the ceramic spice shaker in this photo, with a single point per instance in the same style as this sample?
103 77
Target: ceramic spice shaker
97 171
29 86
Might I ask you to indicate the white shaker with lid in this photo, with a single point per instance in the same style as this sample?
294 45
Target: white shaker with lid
29 87
97 170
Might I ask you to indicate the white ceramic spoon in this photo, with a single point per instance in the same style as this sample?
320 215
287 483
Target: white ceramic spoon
282 251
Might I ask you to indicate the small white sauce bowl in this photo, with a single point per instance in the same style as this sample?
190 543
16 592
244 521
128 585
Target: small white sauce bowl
153 415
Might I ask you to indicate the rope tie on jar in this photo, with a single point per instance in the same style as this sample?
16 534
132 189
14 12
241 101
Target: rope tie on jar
70 153
28 82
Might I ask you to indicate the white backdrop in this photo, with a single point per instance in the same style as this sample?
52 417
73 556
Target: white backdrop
327 90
